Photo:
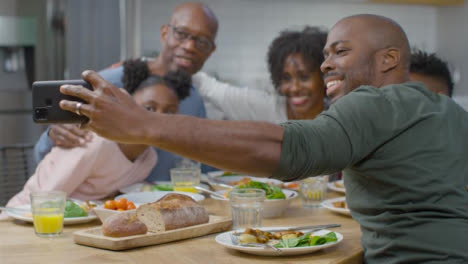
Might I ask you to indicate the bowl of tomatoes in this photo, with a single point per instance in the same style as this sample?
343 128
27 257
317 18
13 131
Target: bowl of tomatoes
111 207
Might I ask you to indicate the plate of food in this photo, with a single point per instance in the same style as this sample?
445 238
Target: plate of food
337 205
233 179
276 243
149 197
165 186
337 186
76 212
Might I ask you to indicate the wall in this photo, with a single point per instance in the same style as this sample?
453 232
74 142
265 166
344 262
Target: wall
452 35
248 26
7 7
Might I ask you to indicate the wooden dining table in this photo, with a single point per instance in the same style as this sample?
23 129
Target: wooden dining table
19 244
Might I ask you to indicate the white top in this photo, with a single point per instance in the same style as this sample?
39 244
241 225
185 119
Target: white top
227 102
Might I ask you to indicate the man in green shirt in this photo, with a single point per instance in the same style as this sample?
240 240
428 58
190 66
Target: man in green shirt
403 148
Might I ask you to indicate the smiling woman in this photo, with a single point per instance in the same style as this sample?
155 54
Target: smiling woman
294 60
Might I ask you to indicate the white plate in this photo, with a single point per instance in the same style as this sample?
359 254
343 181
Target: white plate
225 240
149 197
139 185
27 216
329 205
331 186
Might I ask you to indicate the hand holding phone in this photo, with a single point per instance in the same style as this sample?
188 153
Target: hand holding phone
46 97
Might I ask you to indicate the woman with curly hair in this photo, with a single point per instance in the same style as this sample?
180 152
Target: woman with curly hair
102 167
294 60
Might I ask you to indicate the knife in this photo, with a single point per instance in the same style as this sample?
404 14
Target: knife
315 227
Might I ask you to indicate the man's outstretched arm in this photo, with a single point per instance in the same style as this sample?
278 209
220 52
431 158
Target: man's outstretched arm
243 146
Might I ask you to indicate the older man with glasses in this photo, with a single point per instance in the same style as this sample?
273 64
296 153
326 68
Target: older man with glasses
186 43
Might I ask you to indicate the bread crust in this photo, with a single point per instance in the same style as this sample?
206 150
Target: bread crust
124 224
172 211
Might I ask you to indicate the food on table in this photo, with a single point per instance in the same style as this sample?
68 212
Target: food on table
74 210
340 204
162 187
258 236
291 185
239 182
121 225
285 239
172 211
120 205
228 173
271 192
338 184
306 240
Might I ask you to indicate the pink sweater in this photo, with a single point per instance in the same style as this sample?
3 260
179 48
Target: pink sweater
95 171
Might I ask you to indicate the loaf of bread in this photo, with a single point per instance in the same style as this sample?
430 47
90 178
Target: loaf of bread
124 224
171 212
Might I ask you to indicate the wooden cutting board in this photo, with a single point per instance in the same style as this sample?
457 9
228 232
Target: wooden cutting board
93 237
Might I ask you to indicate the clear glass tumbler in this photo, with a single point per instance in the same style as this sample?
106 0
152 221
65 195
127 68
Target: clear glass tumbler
313 191
48 210
185 179
247 207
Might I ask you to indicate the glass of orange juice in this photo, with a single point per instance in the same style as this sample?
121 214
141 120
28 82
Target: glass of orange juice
48 209
185 179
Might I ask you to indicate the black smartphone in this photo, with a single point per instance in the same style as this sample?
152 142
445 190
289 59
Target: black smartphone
46 97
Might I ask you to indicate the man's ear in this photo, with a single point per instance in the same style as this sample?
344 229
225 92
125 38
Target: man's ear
389 58
163 33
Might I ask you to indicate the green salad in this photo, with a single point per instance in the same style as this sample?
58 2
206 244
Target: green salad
74 210
306 240
162 187
271 192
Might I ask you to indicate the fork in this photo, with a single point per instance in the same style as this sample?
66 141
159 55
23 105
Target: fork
235 241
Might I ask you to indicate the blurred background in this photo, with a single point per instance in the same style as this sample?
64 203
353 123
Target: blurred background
58 39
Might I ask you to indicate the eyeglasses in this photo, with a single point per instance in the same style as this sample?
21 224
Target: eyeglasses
203 44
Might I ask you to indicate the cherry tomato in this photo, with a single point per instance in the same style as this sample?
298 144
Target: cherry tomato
110 204
130 205
121 203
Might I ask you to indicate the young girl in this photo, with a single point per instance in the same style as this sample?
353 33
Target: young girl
102 167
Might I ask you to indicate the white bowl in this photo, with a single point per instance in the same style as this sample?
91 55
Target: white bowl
104 213
271 207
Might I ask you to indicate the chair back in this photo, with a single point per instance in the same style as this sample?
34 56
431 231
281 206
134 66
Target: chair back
16 166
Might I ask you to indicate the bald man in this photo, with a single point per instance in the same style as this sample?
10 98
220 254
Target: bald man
403 176
187 41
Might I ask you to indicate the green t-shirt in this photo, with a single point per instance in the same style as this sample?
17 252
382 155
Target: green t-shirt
404 152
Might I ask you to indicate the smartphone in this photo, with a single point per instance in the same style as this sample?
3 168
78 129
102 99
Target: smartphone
46 97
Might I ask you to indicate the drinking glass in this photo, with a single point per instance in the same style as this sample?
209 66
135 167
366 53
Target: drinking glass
313 191
247 207
185 179
48 210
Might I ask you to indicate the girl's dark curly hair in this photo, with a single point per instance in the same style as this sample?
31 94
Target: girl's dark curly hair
137 76
308 42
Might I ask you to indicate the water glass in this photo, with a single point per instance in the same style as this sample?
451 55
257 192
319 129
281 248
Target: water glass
185 179
48 210
313 191
247 207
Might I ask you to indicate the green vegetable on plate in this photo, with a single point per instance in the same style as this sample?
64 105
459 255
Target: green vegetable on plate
271 192
306 240
74 210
